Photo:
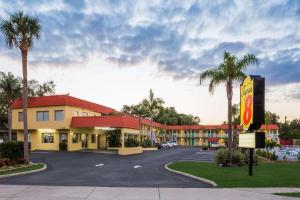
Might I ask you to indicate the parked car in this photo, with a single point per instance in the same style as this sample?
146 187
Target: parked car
168 144
174 143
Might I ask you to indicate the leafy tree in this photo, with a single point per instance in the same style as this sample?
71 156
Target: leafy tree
10 89
36 89
232 69
271 118
152 106
20 31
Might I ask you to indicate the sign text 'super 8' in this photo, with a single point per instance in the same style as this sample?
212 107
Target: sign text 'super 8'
246 103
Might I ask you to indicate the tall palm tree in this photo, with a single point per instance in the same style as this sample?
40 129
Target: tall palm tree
232 69
20 31
10 89
152 105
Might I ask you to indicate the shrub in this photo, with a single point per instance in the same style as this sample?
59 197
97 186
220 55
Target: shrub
131 143
12 150
222 157
238 158
114 138
146 143
273 156
63 146
204 147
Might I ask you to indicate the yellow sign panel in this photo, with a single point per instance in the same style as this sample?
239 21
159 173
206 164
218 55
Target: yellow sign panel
247 140
246 104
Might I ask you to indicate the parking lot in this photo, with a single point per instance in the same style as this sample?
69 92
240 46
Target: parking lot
111 170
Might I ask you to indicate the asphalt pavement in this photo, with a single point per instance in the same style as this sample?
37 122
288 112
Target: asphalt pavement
112 170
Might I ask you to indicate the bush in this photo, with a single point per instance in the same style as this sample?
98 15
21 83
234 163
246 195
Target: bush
12 150
63 146
131 143
238 158
146 143
273 156
222 157
114 138
5 162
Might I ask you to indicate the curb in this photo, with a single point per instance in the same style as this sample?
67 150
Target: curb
191 176
23 173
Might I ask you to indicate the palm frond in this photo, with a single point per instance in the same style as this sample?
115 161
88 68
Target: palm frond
247 60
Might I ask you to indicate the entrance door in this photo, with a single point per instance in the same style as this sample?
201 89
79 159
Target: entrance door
84 141
63 137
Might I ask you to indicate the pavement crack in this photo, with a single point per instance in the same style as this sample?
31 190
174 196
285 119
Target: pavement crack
158 193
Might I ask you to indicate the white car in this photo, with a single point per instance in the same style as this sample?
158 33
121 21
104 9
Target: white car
168 144
174 143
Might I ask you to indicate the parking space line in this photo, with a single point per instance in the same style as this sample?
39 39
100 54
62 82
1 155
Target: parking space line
99 165
137 166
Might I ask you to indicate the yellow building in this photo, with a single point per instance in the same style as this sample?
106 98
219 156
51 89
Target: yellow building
83 125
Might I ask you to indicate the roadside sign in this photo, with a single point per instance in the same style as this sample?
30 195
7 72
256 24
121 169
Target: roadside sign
252 102
252 115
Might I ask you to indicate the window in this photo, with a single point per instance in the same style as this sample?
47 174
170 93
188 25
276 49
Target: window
47 138
42 115
93 139
75 138
76 113
20 117
85 114
58 115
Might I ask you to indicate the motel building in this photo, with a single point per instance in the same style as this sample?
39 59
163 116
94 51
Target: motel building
83 125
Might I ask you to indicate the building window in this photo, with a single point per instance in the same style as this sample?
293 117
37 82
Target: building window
20 117
42 115
47 138
76 113
75 138
58 115
85 114
93 138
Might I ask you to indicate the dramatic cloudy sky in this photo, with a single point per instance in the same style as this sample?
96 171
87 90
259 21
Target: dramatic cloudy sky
113 52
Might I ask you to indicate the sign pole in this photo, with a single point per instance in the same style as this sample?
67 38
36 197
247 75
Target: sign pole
250 161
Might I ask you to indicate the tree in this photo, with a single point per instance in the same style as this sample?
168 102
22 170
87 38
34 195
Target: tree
36 89
232 69
10 89
152 106
271 118
20 31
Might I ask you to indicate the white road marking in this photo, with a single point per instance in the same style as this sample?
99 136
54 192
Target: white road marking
99 165
137 166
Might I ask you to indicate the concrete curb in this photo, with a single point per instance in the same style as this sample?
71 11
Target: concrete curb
26 172
191 176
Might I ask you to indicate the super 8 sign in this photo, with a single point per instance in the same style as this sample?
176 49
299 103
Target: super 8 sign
252 102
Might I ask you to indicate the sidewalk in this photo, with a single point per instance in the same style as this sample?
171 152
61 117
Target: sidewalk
9 192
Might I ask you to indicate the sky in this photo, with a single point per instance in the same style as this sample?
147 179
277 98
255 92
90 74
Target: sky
113 52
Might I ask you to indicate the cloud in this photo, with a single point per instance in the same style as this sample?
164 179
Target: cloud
181 38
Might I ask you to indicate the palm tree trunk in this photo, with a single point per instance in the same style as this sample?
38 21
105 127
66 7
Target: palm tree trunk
151 134
25 98
9 122
229 97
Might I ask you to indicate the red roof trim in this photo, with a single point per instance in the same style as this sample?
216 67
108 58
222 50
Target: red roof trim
62 100
213 139
105 121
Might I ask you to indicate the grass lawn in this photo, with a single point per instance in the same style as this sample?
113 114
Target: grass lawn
291 194
22 169
264 175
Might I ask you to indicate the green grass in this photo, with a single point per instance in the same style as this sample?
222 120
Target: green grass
23 169
264 175
289 194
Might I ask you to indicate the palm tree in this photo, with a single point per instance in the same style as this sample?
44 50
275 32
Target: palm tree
230 70
152 105
19 31
10 89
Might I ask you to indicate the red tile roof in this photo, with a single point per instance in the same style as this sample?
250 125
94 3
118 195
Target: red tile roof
62 100
105 121
269 127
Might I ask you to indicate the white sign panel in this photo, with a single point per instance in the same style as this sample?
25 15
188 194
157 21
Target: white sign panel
247 140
